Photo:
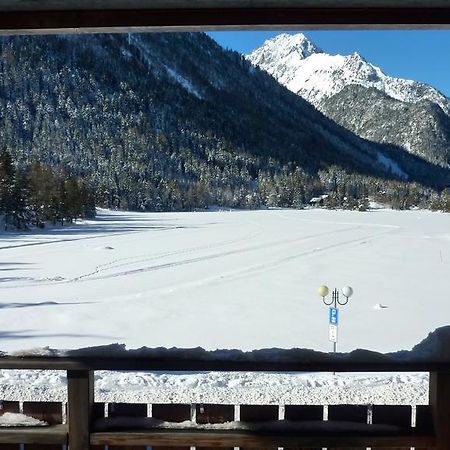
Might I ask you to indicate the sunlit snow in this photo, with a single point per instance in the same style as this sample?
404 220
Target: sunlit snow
235 279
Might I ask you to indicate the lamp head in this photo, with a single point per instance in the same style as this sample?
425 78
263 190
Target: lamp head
323 291
347 291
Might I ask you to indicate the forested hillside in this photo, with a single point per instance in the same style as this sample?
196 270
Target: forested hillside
174 122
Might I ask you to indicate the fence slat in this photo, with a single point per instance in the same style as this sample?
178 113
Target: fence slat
127 410
397 415
303 413
348 413
214 414
50 412
424 419
258 413
98 412
171 413
13 407
8 406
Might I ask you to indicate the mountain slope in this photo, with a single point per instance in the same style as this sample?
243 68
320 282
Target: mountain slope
319 77
146 117
422 125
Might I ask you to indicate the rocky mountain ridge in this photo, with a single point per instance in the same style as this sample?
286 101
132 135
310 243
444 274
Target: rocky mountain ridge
320 78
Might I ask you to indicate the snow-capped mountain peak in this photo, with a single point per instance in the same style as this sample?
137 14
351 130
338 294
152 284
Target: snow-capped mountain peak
284 52
303 68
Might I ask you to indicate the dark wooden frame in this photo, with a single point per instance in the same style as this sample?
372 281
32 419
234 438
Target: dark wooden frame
53 16
80 384
41 19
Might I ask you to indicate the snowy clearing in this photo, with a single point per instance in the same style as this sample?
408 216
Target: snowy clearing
232 279
241 280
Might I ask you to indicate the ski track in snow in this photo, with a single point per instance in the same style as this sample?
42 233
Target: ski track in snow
121 262
217 255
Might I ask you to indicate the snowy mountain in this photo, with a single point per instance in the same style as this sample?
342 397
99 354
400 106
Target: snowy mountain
305 69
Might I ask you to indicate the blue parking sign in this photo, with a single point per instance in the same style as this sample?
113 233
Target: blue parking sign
334 316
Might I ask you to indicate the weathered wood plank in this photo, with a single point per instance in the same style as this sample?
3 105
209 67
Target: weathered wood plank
251 440
80 385
55 434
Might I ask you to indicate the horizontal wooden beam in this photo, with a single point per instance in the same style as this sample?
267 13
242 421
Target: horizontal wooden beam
55 434
65 5
174 438
195 19
338 364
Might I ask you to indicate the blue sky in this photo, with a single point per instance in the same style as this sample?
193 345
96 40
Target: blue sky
417 55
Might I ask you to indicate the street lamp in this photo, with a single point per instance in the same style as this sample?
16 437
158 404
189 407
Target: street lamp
347 292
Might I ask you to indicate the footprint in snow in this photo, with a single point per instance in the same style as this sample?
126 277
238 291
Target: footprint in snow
380 306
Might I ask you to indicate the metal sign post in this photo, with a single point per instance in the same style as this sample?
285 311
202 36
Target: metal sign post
333 326
333 318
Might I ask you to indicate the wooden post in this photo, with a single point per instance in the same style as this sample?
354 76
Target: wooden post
440 404
80 385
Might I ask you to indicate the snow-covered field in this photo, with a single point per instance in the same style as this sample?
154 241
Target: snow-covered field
225 279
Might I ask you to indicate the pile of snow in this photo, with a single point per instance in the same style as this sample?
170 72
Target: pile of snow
274 426
224 387
9 419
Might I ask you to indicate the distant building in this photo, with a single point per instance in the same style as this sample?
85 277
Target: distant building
318 201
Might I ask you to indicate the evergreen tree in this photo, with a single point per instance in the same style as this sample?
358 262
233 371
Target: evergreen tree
7 180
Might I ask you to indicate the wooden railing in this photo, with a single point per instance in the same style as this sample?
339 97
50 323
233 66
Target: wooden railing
90 425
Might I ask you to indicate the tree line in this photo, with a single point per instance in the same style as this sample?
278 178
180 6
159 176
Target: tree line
38 194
